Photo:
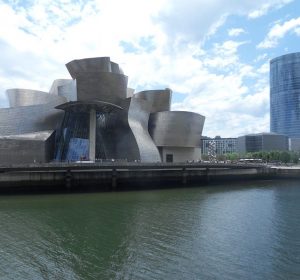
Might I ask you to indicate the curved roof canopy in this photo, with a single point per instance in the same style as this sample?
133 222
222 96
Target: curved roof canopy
86 106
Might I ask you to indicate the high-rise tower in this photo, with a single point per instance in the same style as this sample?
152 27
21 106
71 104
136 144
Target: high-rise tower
285 94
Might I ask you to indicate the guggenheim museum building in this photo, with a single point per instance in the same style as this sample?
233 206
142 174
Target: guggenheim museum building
94 116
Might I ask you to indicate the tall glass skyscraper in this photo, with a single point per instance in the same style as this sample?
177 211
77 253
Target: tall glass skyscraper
285 94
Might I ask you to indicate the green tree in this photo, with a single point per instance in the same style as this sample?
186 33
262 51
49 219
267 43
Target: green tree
295 157
221 157
285 157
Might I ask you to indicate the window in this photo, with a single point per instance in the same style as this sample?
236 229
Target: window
169 158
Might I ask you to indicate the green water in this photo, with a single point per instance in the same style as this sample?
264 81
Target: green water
245 231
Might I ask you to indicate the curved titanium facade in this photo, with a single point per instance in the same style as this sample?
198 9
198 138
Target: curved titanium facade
26 119
26 97
65 88
176 128
95 116
116 136
98 78
160 99
94 64
285 95
27 148
138 117
109 87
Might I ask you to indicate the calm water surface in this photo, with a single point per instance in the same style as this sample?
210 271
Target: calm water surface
245 231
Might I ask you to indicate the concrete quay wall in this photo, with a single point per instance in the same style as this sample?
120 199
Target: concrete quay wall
114 177
284 172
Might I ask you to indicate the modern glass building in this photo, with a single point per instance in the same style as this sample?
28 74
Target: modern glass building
221 145
285 95
262 142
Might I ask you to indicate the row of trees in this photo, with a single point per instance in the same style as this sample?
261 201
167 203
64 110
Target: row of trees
273 156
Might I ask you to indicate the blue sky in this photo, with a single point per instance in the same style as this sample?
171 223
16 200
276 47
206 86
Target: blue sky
213 54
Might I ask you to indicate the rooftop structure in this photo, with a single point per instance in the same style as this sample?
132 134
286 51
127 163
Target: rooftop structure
95 116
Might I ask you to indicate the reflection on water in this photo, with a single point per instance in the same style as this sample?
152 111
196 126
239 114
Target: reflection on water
251 231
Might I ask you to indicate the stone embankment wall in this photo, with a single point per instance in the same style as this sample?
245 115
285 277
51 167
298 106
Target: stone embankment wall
113 176
110 177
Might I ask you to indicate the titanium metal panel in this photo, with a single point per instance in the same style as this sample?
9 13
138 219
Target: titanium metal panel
138 117
28 119
115 68
68 91
27 148
160 99
65 88
176 128
116 137
98 78
95 64
26 97
108 87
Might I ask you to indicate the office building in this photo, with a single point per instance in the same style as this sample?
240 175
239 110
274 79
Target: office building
262 142
285 95
220 145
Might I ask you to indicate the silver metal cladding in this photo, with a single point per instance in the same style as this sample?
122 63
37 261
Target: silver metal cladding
26 119
95 64
109 87
160 99
138 117
176 128
27 148
27 97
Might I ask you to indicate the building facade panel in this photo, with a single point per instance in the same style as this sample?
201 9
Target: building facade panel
27 148
221 145
180 154
285 95
28 119
95 64
262 142
109 87
273 142
26 97
294 144
176 128
138 117
160 99
65 88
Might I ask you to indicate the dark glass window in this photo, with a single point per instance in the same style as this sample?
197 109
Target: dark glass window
169 158
72 142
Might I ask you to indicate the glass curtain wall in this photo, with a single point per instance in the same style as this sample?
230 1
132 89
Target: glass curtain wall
72 142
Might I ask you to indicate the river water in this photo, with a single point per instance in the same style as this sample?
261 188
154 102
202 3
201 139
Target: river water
237 231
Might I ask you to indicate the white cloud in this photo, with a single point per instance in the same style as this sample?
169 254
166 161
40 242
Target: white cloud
264 68
278 31
234 32
261 57
199 19
266 6
230 106
36 41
